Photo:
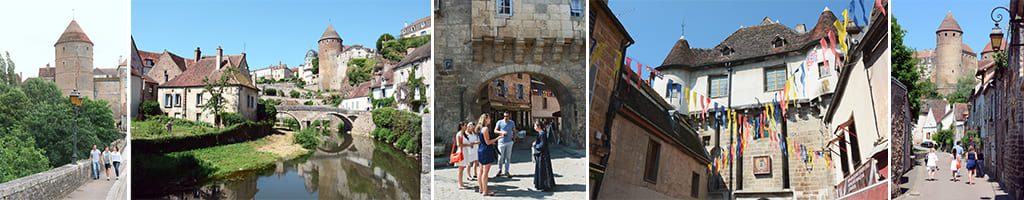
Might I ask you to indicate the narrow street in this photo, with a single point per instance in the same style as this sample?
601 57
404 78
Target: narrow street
943 186
570 181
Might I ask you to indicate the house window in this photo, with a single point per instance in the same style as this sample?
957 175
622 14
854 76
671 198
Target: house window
726 51
545 100
168 100
651 165
695 185
199 100
670 90
519 75
198 115
575 8
505 7
719 86
778 42
177 100
499 88
149 62
519 92
823 70
774 78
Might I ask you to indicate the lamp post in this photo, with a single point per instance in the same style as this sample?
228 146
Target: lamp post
997 33
76 101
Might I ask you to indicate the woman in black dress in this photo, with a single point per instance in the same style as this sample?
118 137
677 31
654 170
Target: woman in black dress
543 177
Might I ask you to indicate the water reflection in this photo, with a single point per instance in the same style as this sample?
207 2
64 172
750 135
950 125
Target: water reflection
357 168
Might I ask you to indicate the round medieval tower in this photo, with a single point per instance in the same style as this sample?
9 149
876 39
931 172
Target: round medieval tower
948 50
330 45
73 53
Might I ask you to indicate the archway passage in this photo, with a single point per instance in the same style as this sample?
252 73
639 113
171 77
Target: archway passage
566 86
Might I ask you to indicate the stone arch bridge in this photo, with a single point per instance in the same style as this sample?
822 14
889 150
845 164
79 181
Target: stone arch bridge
356 121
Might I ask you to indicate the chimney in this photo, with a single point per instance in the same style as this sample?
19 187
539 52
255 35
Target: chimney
199 54
220 56
801 28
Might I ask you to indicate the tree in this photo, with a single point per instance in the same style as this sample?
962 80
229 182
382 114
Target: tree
294 94
964 85
267 110
929 90
270 91
383 38
316 65
216 89
7 75
300 83
360 70
149 108
20 156
905 70
14 105
943 137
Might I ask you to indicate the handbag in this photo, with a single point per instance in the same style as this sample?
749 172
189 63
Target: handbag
455 156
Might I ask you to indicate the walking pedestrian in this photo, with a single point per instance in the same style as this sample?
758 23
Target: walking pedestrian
954 166
169 125
116 158
981 163
106 161
94 156
543 177
971 164
485 154
466 148
505 127
933 165
958 154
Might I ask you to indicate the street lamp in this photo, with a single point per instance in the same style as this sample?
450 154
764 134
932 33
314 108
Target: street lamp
76 100
997 33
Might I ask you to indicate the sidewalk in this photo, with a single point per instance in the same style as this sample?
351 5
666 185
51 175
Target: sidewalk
103 189
944 188
566 162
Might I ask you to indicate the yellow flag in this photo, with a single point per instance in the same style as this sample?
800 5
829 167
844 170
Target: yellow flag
618 60
687 95
841 29
597 54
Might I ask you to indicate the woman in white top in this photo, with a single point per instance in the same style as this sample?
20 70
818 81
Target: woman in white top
953 166
116 158
933 165
475 163
466 148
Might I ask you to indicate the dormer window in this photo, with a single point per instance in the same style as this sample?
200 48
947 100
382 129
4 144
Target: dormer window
778 42
726 51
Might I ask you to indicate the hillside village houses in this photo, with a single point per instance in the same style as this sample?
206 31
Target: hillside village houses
73 70
418 28
273 72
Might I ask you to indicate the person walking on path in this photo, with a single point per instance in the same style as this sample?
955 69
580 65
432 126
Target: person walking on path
954 166
485 154
504 127
115 157
466 149
106 161
958 155
933 165
543 177
971 164
94 156
169 125
981 163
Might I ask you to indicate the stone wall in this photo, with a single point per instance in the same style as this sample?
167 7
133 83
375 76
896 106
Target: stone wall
675 173
901 138
55 183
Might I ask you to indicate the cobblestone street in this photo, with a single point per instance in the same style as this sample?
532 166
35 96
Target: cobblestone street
567 163
943 186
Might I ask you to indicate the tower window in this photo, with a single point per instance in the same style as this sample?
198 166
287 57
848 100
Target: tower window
504 7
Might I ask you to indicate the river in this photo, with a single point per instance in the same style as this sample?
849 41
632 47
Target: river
357 168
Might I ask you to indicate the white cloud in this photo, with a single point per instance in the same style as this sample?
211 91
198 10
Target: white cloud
28 30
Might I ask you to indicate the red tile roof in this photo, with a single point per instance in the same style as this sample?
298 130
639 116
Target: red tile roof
144 77
73 33
966 48
949 24
330 33
207 68
144 55
959 111
924 53
47 71
362 90
421 52
988 47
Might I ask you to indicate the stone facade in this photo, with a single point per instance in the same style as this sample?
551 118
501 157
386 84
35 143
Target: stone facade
902 145
474 46
625 172
421 27
334 57
73 53
183 96
168 67
1006 98
605 29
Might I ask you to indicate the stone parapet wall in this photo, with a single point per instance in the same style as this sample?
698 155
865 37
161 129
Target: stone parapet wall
51 184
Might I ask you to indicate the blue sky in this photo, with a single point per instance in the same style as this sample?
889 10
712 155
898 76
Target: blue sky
268 31
655 24
924 18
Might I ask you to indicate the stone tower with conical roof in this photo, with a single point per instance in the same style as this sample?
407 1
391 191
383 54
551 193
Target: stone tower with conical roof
948 55
73 53
330 45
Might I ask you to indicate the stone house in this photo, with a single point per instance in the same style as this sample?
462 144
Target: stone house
761 58
273 72
358 98
418 60
543 104
183 96
305 71
168 66
418 28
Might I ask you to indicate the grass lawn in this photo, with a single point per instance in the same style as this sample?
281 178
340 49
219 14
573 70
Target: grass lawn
224 159
153 129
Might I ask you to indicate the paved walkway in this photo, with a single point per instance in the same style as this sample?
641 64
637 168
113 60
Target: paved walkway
103 189
566 162
944 187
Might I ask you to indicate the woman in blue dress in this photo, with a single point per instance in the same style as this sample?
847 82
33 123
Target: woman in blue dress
543 177
972 162
485 154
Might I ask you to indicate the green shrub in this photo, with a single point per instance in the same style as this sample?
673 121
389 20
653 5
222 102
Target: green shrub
266 110
382 117
308 103
294 94
291 123
307 138
400 143
413 145
381 133
148 108
270 91
231 118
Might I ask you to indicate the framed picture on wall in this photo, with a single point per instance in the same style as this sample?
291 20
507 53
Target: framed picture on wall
762 165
